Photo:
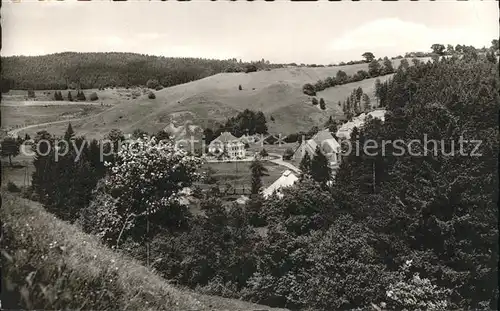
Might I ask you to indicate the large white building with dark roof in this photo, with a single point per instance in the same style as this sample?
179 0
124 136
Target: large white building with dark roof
229 144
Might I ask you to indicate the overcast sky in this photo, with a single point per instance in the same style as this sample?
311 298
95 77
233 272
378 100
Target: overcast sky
281 31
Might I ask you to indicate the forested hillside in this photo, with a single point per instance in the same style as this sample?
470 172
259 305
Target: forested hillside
94 70
435 207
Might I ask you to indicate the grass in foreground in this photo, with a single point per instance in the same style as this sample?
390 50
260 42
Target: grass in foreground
50 264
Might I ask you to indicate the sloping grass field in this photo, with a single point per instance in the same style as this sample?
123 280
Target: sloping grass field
50 264
278 93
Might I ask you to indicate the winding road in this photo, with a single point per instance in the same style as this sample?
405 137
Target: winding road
279 161
15 132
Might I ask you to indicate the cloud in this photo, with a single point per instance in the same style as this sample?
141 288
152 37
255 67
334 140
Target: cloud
398 35
114 41
195 51
149 36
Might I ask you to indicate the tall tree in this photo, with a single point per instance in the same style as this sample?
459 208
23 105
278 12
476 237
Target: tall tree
366 103
378 86
10 148
404 65
341 77
208 136
450 49
374 68
305 164
260 123
438 49
495 45
388 68
368 56
320 168
258 170
70 133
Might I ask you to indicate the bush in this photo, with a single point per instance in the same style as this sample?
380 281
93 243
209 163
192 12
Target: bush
152 84
151 95
314 270
288 154
58 95
411 292
322 104
12 187
31 94
240 88
80 96
308 89
250 68
314 101
93 96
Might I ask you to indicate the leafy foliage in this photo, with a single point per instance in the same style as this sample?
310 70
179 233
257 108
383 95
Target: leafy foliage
322 104
308 89
258 170
152 84
93 96
411 292
438 48
144 181
446 226
320 170
374 68
64 179
10 148
288 154
368 56
246 122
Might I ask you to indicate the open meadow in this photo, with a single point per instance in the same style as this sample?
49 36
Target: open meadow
237 174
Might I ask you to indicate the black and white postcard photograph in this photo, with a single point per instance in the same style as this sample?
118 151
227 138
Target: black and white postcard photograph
249 155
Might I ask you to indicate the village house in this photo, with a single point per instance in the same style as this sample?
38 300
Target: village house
344 132
287 179
327 144
229 145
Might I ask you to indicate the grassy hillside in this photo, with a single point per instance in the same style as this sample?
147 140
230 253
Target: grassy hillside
49 264
278 93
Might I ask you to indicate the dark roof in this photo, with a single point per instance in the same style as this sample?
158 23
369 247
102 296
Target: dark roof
226 137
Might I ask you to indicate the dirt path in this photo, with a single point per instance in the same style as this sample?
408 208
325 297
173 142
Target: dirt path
15 132
13 103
